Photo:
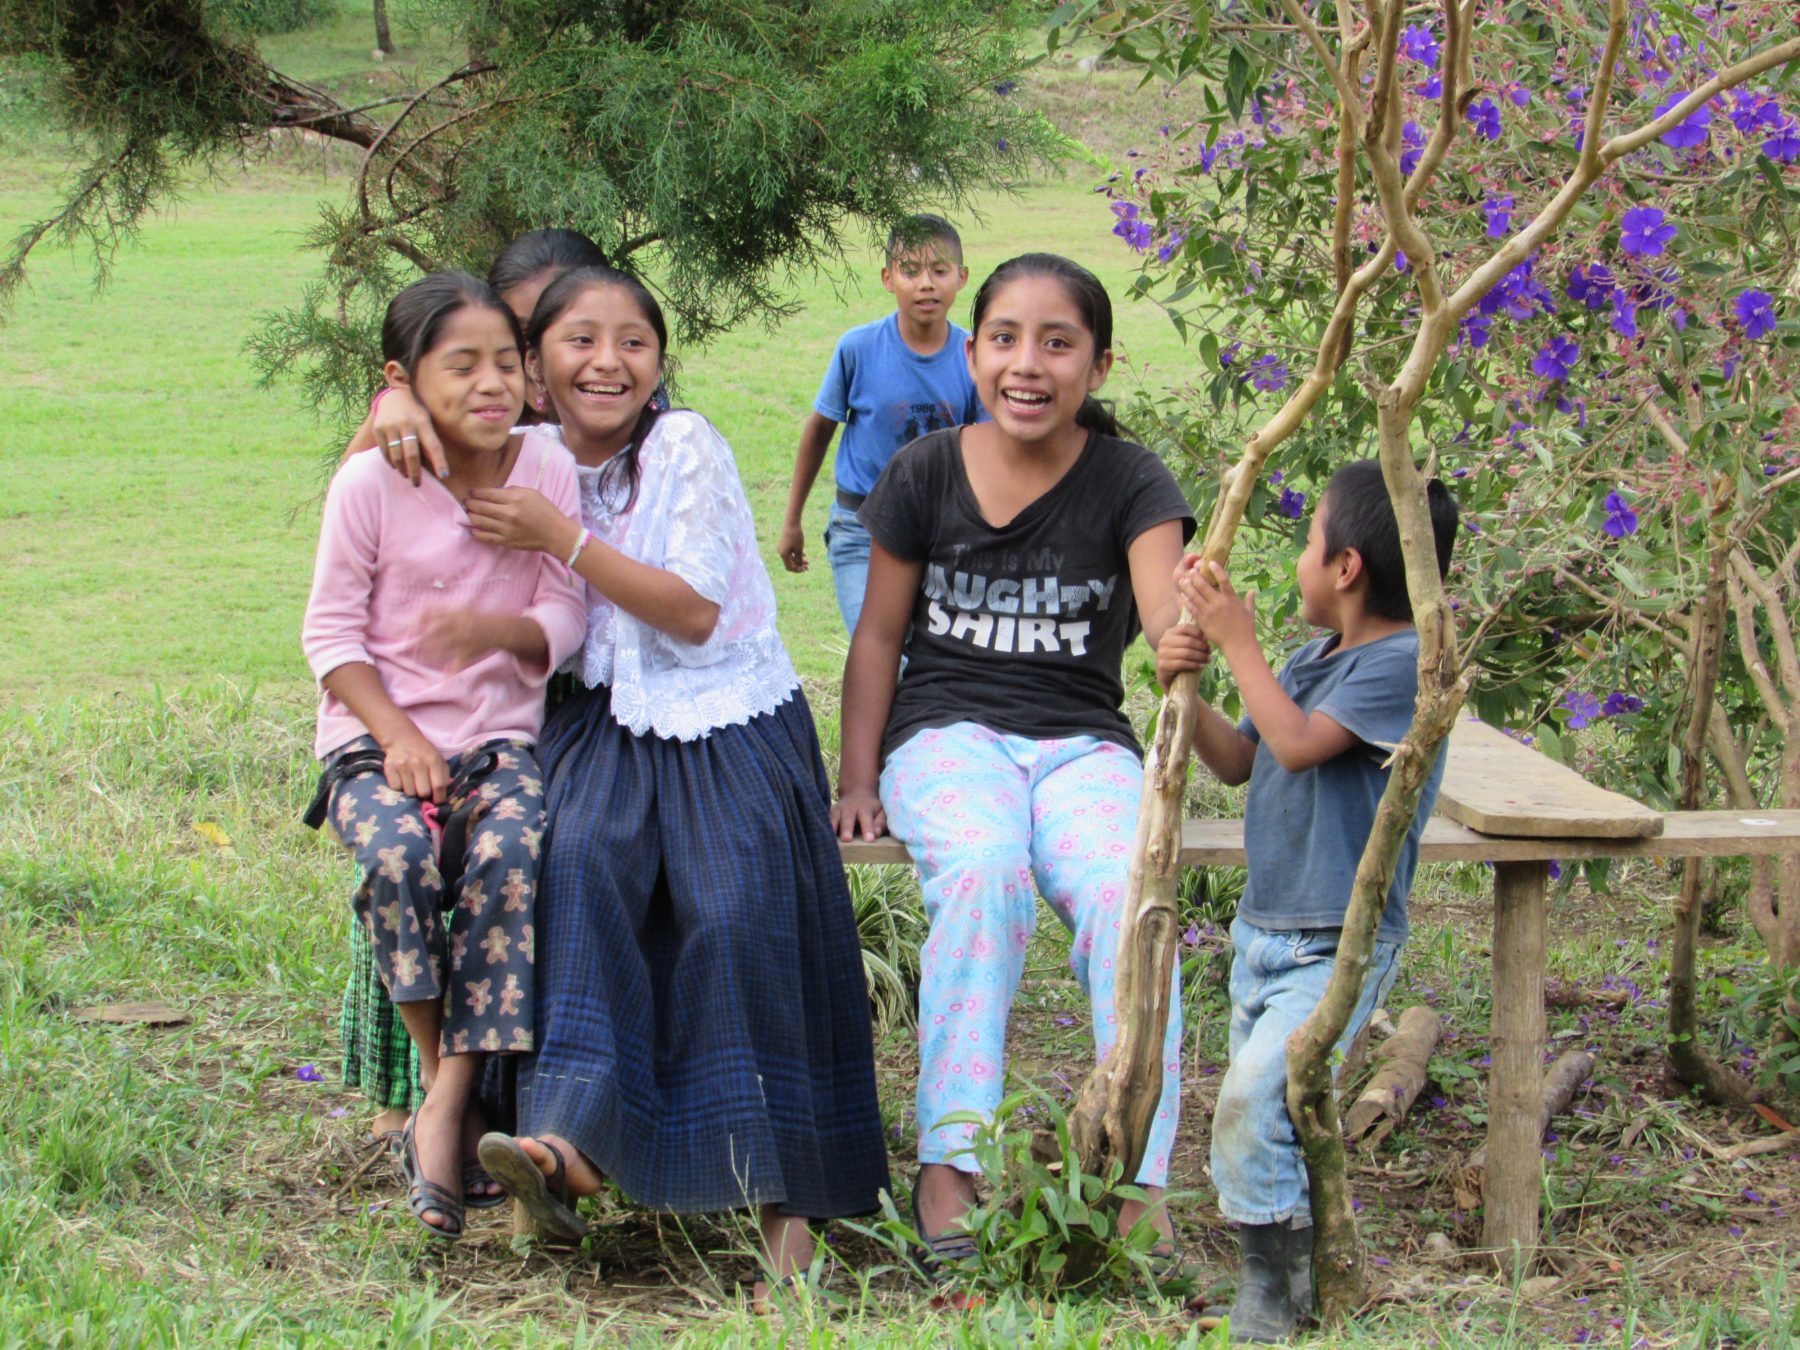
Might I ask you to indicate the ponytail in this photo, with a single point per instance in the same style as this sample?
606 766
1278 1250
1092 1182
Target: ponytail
1093 415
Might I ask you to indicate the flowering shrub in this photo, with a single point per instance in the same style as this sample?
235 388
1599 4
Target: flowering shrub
1590 402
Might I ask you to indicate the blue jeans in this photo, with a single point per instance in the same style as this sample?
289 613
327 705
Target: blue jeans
847 549
1277 979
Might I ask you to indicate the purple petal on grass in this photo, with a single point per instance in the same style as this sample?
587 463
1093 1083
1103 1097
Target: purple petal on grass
309 1073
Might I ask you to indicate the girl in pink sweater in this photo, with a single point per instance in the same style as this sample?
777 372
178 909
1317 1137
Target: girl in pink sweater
432 651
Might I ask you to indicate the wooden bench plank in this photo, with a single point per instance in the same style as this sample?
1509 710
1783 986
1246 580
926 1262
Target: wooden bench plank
1686 834
1494 784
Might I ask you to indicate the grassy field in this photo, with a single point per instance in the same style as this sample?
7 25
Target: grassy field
207 1183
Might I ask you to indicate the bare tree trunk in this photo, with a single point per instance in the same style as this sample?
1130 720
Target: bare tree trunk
384 40
1687 1059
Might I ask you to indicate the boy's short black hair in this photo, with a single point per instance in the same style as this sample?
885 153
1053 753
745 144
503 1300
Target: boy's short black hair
916 231
1359 515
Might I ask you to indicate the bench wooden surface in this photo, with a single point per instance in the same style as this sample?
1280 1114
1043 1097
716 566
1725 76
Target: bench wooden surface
1685 834
1494 784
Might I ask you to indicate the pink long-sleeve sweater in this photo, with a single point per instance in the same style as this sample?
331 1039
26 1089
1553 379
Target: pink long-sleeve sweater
390 555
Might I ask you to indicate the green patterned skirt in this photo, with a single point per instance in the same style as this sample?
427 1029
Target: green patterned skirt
380 1060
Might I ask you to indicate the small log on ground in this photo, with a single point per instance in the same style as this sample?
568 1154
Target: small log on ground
1399 1079
1561 1082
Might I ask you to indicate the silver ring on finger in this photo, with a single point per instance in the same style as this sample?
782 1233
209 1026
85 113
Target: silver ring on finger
408 437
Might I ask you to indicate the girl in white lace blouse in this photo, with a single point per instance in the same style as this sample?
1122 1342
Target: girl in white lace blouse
703 1021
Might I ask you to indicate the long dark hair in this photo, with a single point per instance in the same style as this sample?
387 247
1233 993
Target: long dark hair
538 251
1090 300
621 471
417 315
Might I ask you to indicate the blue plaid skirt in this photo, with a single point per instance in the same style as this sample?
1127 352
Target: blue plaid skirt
703 1019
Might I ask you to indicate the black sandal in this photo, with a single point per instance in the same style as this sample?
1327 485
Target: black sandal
546 1199
423 1194
474 1175
940 1256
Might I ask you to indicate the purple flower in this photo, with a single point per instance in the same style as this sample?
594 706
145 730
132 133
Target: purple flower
1229 354
1268 373
338 1112
1476 330
1644 234
1065 1021
1432 88
1459 473
1418 44
1784 146
1582 708
1499 216
1621 704
1687 134
1556 358
1621 520
1747 112
1169 248
1191 937
308 1073
1592 286
1292 504
1555 870
1484 117
1624 319
1518 95
1414 141
1756 311
1006 87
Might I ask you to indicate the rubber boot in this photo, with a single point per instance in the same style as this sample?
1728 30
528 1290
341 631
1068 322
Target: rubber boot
1300 1274
1263 1311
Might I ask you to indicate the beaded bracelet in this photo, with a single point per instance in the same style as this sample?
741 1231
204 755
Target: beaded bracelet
581 542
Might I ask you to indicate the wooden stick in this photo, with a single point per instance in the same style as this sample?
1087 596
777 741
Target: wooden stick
1570 1071
1397 1083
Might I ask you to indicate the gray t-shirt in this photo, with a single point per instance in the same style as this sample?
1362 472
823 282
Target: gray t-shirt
1020 627
1304 832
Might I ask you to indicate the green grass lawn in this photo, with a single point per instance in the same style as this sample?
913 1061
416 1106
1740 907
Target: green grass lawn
163 508
191 1185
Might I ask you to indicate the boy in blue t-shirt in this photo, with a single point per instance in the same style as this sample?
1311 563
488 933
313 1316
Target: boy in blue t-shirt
889 382
1313 745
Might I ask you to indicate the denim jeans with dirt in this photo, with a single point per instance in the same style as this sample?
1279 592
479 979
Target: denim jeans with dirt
1277 979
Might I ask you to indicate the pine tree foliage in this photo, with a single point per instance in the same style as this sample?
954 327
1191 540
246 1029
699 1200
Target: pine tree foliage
714 147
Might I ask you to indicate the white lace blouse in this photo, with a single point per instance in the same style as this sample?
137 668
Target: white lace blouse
691 517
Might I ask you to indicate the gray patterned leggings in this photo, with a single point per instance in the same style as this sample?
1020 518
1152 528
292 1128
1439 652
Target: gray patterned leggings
488 836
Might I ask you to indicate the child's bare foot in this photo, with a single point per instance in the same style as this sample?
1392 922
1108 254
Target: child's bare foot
787 1252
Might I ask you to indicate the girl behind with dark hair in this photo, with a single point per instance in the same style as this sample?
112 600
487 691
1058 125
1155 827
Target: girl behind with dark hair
703 1016
428 714
1013 561
399 427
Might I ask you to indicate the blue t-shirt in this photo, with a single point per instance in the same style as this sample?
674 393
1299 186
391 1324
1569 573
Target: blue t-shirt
1304 832
887 396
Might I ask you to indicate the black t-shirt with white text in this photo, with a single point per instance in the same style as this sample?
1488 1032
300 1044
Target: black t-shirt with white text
1021 627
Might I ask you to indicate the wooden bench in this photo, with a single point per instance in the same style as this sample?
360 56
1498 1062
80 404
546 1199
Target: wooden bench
1506 804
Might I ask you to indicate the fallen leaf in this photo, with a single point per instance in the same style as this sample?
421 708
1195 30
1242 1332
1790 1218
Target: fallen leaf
1538 1285
134 1014
213 834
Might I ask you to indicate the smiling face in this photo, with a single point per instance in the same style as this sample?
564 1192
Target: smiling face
924 282
600 361
1033 359
472 381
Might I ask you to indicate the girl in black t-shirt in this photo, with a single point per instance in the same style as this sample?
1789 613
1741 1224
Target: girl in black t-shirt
1012 563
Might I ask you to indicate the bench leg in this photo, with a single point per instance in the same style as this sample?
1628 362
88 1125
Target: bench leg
1515 1169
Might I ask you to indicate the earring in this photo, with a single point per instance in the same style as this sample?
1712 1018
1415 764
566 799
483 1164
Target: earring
538 403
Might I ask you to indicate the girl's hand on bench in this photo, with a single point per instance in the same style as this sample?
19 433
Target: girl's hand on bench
858 815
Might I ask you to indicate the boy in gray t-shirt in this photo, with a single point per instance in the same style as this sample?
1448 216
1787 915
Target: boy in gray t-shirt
1312 744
